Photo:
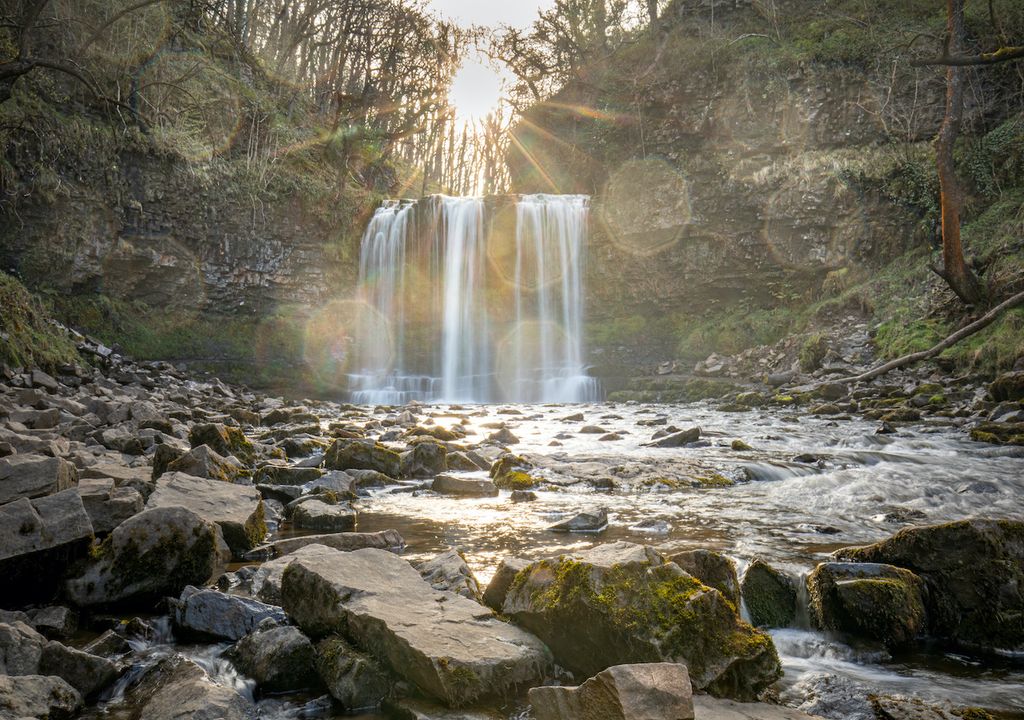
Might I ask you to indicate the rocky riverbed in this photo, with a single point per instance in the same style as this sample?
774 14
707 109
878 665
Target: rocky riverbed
175 547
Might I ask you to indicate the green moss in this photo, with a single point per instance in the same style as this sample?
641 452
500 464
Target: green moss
812 352
714 480
27 337
740 446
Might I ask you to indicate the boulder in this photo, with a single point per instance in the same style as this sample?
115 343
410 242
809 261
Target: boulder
347 454
497 588
880 602
511 472
34 476
107 505
456 485
645 691
224 440
710 708
504 436
382 540
36 696
323 517
449 571
211 613
352 678
236 509
684 437
54 621
138 478
85 672
21 649
711 568
588 521
974 570
623 603
424 460
770 596
287 475
1008 387
38 541
450 647
279 659
204 462
181 690
154 554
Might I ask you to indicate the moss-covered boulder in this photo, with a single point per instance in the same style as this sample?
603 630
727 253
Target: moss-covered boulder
152 555
770 595
279 659
347 454
424 460
871 600
623 603
512 472
711 568
974 570
999 433
203 461
223 439
354 679
1008 387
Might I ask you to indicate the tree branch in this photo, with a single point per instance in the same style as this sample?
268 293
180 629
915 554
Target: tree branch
1005 54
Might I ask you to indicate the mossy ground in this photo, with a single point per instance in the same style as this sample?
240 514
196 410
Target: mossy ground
27 337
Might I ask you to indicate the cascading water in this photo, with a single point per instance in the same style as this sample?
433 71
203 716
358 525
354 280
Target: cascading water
468 309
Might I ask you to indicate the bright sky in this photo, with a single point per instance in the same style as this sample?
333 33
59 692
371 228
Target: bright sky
477 86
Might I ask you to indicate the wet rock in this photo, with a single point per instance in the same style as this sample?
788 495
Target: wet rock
711 568
236 509
279 659
588 521
684 437
880 602
109 645
38 540
323 517
449 571
34 476
519 496
461 462
770 595
181 690
287 475
353 678
1008 387
832 391
511 472
85 672
36 696
154 554
1004 433
710 708
503 436
202 461
406 708
497 588
424 460
346 542
619 603
347 454
108 506
447 645
54 621
650 691
223 440
21 649
210 613
975 575
740 446
592 430
455 485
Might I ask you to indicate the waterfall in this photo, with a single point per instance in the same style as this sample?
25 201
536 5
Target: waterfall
473 309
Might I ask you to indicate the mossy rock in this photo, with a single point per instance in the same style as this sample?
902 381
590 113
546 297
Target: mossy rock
713 480
624 603
876 601
770 596
999 433
974 570
223 439
511 472
347 454
739 445
27 337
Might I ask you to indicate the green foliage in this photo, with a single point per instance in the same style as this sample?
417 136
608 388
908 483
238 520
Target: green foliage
27 337
733 329
812 352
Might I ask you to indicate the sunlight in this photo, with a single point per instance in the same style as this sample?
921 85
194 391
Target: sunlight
476 90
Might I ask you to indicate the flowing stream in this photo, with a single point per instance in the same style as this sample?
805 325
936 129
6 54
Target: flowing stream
476 300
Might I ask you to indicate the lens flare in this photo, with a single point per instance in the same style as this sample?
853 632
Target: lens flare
646 206
330 346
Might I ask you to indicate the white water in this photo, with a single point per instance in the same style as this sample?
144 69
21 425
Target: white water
460 326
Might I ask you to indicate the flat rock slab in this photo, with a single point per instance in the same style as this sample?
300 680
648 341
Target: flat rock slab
33 476
452 648
710 708
237 509
455 485
642 691
323 517
216 614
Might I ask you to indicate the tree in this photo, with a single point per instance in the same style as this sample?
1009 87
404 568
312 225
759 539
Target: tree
955 270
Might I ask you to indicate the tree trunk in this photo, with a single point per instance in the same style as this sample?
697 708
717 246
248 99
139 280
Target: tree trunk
652 12
955 270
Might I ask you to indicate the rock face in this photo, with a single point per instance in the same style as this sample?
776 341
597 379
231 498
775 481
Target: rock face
881 602
770 595
156 553
974 570
33 476
38 539
622 603
651 691
279 659
216 614
36 696
450 647
497 588
236 509
449 571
